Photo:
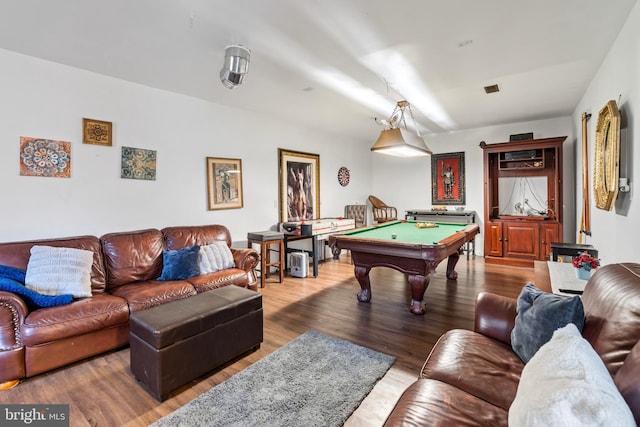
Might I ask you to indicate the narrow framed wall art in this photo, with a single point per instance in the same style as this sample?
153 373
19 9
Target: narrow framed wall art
224 183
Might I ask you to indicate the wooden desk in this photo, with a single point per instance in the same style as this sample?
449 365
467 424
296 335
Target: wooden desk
316 230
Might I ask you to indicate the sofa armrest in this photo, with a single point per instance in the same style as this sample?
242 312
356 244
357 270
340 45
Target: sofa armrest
13 311
245 259
495 316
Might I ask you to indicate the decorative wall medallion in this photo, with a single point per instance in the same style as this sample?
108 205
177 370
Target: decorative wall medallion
45 157
344 176
138 163
96 132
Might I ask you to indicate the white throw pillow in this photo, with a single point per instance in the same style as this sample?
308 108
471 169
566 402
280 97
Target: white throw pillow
214 257
566 384
57 271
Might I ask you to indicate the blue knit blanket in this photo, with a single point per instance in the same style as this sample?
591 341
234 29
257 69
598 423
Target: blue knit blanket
12 280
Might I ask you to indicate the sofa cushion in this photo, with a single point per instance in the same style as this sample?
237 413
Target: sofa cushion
143 295
132 256
539 315
611 300
566 383
627 381
429 402
57 271
180 264
182 236
215 257
230 276
479 365
78 318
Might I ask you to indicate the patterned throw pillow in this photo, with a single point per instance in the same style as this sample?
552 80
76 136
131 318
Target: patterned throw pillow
57 271
215 257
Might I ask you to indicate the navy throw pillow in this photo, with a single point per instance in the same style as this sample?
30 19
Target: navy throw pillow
180 264
539 315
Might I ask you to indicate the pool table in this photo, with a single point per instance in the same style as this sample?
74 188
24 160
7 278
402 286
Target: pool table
405 247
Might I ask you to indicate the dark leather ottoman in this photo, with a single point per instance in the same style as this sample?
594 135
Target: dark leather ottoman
176 342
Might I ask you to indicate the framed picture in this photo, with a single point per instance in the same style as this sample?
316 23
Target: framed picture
138 163
447 179
96 132
45 157
299 185
224 183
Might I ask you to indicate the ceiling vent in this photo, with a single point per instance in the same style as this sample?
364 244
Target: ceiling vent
491 89
236 65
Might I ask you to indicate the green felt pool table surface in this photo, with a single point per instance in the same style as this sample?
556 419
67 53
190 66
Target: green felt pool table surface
409 232
414 251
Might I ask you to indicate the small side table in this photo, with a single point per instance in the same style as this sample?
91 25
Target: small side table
568 251
268 241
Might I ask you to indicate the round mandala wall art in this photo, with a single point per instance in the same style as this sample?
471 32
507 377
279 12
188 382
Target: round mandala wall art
45 157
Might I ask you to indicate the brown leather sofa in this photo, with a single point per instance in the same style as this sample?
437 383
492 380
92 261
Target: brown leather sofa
125 266
471 378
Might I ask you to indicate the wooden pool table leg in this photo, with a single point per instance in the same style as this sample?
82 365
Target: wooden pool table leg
451 264
418 287
362 274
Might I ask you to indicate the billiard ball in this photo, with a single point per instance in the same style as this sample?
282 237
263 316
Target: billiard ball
394 235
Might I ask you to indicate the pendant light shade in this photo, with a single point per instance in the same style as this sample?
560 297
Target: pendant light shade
398 140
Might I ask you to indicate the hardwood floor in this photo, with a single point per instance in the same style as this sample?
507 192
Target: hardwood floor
103 392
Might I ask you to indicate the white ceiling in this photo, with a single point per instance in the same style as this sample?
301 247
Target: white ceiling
337 64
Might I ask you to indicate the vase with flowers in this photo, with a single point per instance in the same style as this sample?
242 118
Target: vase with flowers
584 263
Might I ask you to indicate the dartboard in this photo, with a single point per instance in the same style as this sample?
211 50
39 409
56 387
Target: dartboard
343 176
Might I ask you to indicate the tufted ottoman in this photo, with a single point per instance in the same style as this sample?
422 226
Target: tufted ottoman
176 342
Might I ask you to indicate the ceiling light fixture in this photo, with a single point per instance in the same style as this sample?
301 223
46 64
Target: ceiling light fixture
236 65
492 89
397 139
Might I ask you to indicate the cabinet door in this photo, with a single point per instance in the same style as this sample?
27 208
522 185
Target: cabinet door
548 233
521 239
493 239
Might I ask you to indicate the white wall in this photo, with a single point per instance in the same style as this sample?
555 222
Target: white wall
616 233
406 183
48 100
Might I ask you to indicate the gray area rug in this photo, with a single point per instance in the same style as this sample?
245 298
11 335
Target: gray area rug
314 380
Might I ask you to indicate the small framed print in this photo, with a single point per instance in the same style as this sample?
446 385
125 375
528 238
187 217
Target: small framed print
224 183
96 132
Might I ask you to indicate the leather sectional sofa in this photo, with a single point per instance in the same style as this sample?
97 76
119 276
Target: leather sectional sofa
471 377
123 280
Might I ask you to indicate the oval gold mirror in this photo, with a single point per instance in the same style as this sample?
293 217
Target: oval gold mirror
607 156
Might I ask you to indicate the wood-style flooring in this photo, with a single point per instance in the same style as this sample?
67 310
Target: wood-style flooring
102 391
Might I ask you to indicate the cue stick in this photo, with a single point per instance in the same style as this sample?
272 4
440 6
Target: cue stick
585 220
